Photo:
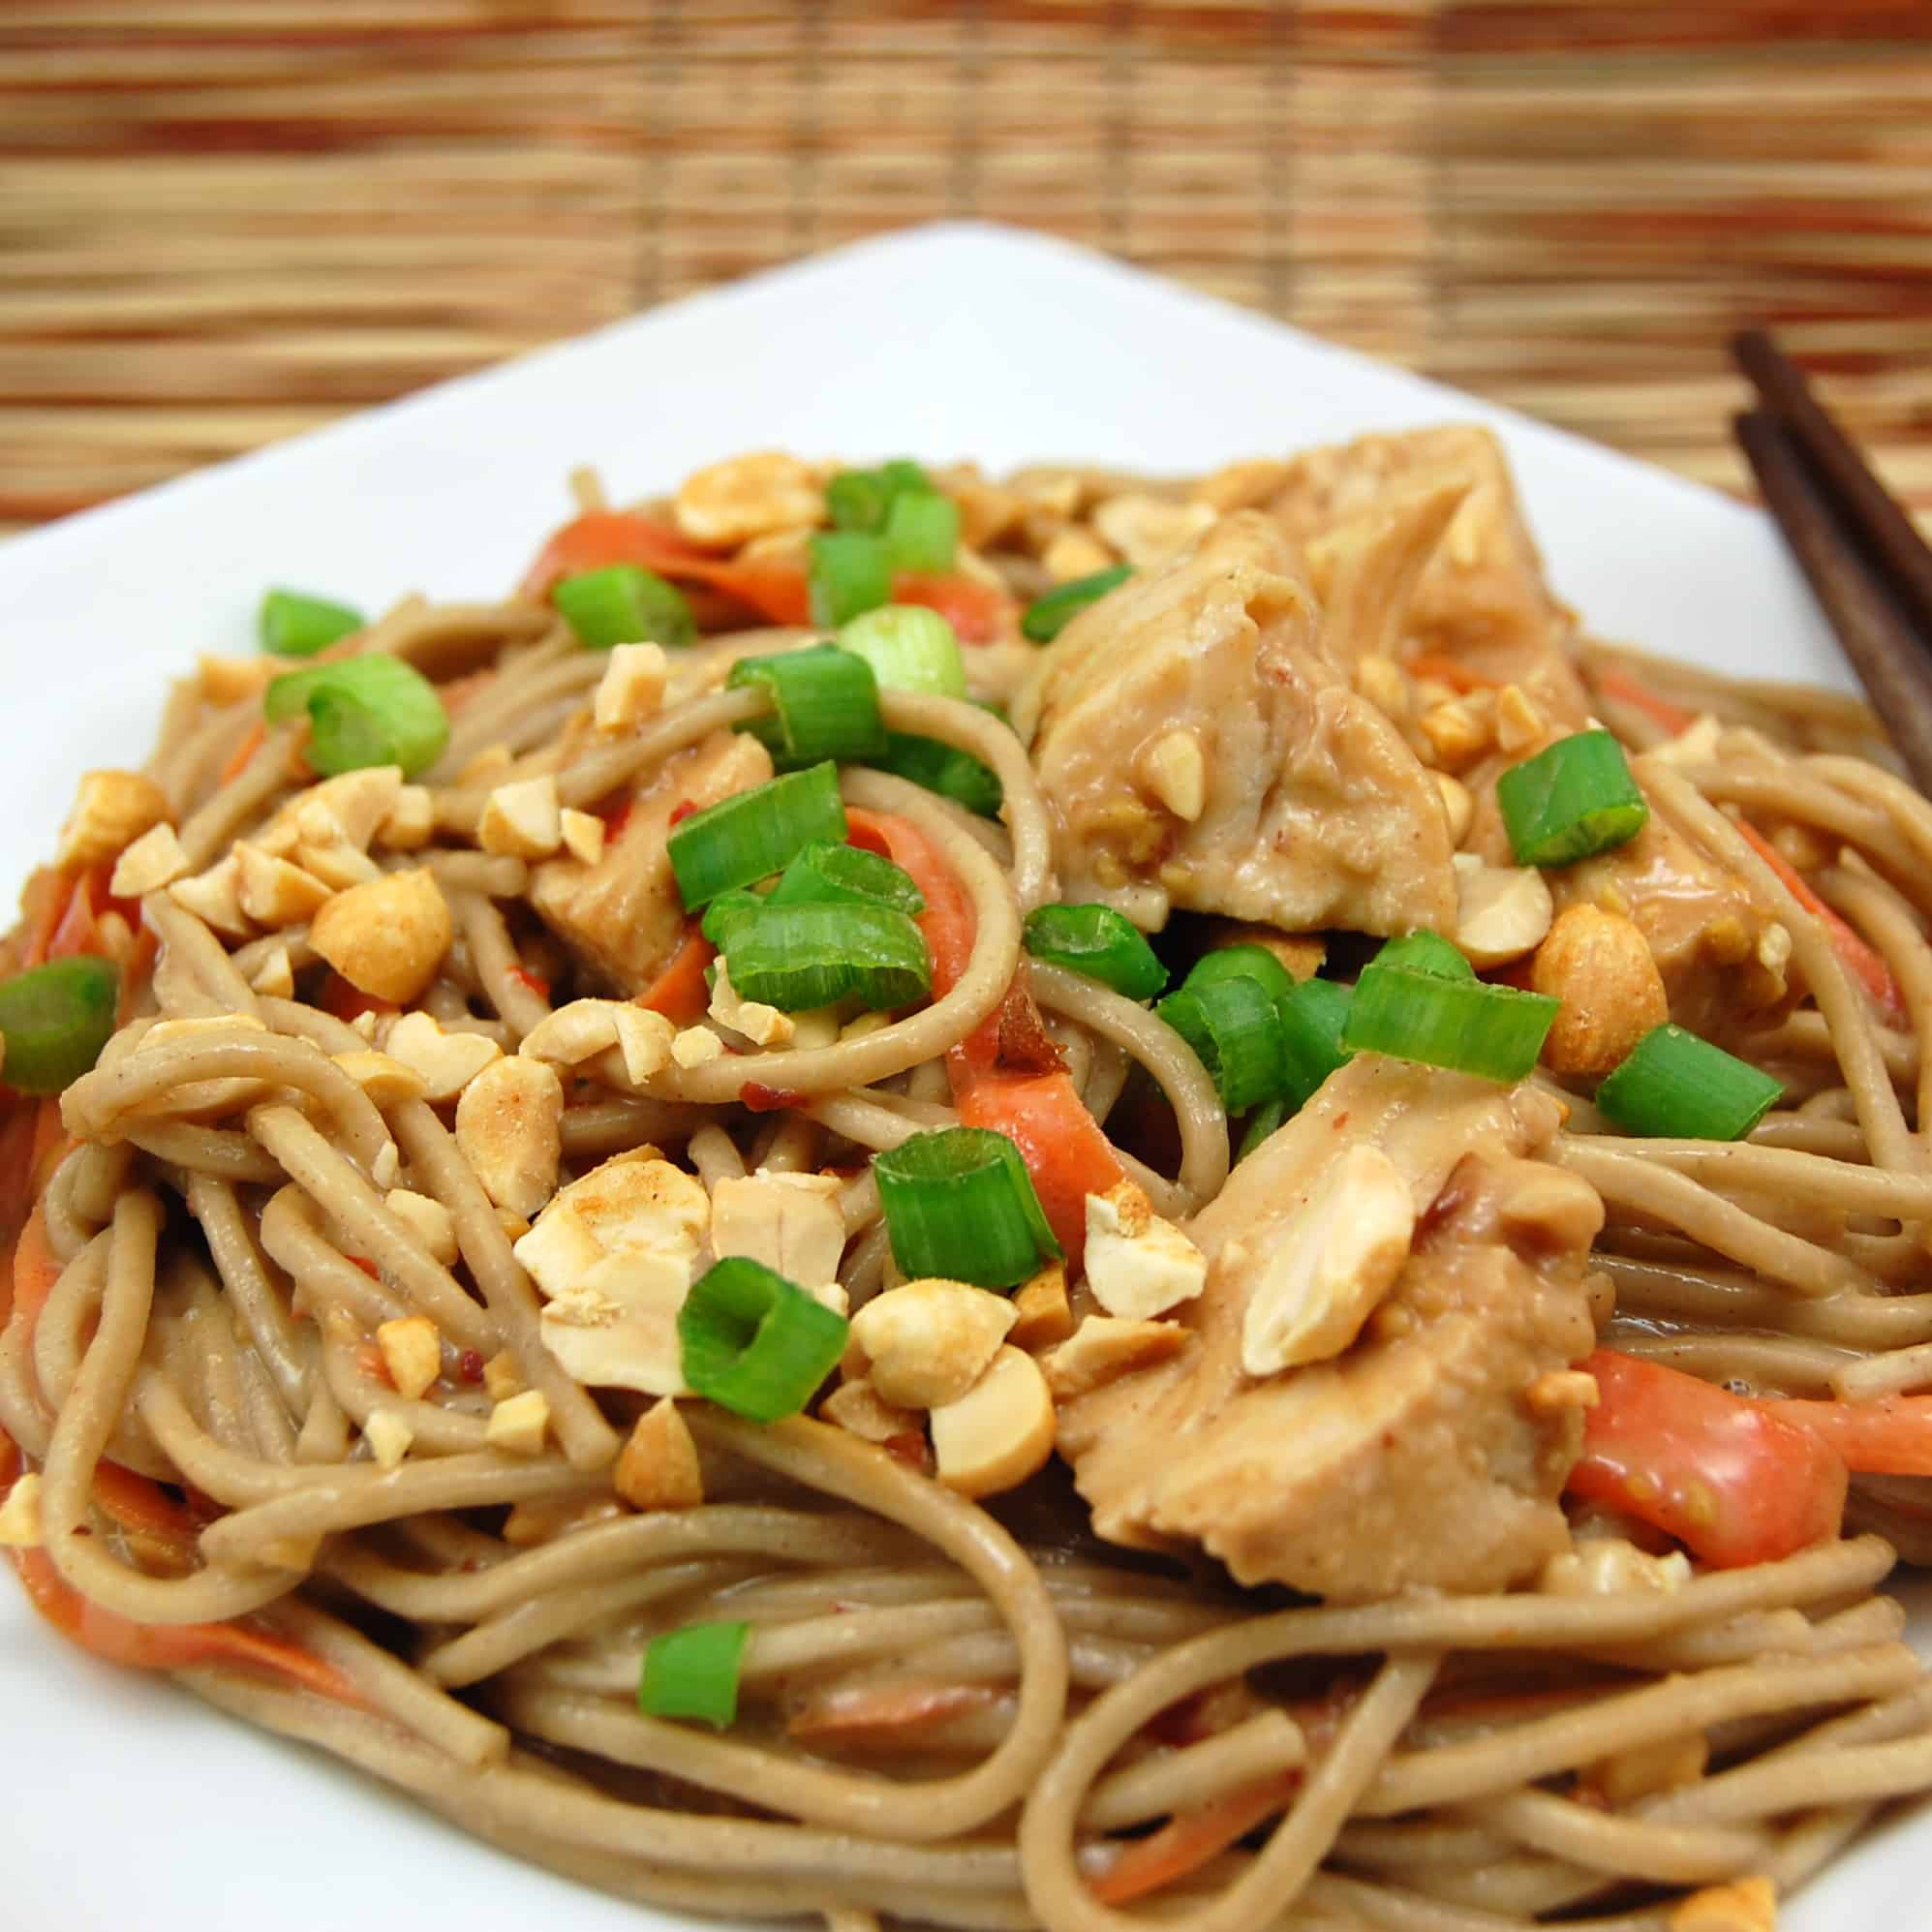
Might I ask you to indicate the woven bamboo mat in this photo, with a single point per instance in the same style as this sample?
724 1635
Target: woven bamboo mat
222 221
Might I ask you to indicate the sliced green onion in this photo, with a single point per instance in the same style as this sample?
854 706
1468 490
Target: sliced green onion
1426 952
798 957
1246 960
625 604
693 1673
902 473
851 573
1672 1085
1049 614
909 648
1262 1122
752 834
863 499
56 1018
944 769
292 624
827 872
960 1202
755 1343
1236 1034
826 702
1464 1023
1576 798
725 909
922 531
1313 1018
373 710
1098 942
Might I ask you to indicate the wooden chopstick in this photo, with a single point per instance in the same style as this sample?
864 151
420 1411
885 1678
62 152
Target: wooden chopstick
1857 547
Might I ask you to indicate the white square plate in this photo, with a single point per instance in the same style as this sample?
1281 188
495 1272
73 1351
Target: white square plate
124 1801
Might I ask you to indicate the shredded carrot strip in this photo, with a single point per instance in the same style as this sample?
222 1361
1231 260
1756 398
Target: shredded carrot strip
139 1503
679 993
252 741
1190 1839
1625 690
887 1708
1859 960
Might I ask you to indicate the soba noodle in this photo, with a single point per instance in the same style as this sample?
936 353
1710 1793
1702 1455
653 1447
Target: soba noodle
223 1242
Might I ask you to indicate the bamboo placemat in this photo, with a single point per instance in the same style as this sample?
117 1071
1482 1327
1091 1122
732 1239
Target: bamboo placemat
222 221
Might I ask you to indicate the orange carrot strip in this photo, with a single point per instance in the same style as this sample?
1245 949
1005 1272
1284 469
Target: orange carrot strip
679 991
1191 1839
252 741
885 1708
140 1503
1443 669
1859 960
1625 690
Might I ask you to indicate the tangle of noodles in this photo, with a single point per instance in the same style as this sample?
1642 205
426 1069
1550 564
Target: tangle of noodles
972 1714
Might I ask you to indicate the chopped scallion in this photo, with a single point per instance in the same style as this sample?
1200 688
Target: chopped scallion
944 769
1313 1016
827 872
292 624
1246 960
800 955
1572 800
1236 1033
372 709
625 604
693 1673
909 648
755 1343
851 572
825 700
1098 942
1463 1024
863 499
1676 1086
1262 1122
960 1202
1426 952
56 1018
922 531
725 908
1048 616
752 834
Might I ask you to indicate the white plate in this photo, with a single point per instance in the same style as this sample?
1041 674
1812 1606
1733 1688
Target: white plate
957 340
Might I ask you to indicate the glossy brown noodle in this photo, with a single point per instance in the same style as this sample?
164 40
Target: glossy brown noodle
1435 1739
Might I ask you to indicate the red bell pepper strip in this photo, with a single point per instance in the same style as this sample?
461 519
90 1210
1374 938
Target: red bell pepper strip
1735 1481
1858 959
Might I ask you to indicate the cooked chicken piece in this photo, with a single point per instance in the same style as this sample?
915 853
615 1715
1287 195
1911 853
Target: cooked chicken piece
1414 1458
623 916
1201 747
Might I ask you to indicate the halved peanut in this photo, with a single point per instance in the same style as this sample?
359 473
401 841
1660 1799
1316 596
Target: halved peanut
726 504
111 809
509 1128
1599 965
929 1340
446 1061
389 1082
573 1033
1502 912
428 1219
1335 1260
386 937
411 1351
658 1469
999 1432
1102 1348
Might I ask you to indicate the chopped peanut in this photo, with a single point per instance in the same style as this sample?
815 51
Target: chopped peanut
696 1046
573 1033
21 1514
1076 553
1042 1315
544 1519
1644 1770
230 680
1383 683
334 861
1744 1905
428 1219
1148 530
583 834
1176 771
197 1025
388 1081
502 1378
1102 1348
1458 731
764 1026
999 1432
1599 965
446 1061
155 859
1519 723
412 1351
488 766
387 1169
111 809
518 1426
860 1410
410 822
1502 912
352 805
1557 1389
215 896
1246 484
275 976
1137 1264
522 820
789 1221
644 1039
1457 807
727 503
658 1469
632 687
509 1128
387 937
1609 1566
388 1436
1336 1258
930 1341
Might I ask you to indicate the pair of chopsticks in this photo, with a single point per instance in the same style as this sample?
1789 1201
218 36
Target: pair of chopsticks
1870 569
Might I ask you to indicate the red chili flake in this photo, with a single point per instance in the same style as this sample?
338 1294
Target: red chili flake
369 1358
680 812
363 1262
614 812
533 981
909 1447
470 1364
763 1099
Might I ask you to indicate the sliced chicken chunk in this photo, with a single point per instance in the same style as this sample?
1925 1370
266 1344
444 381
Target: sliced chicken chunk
1202 747
621 916
1425 1453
